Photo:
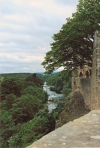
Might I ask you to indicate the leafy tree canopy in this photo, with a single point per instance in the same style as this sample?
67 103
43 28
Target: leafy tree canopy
52 79
34 79
19 105
35 91
41 124
12 85
73 44
25 107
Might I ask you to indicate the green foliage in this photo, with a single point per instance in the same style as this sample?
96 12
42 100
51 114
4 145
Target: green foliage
55 115
1 79
34 129
21 100
15 75
56 81
66 90
25 107
9 100
33 79
59 85
45 77
73 44
66 77
35 91
23 115
61 82
60 107
6 127
12 85
52 79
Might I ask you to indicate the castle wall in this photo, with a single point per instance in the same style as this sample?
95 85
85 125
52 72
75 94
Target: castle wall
84 86
89 86
95 84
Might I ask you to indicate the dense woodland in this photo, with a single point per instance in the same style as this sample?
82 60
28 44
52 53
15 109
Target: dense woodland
24 115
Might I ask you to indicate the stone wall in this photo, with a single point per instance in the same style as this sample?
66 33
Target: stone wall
84 86
89 85
95 81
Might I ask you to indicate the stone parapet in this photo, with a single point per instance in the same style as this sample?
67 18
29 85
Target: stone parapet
82 132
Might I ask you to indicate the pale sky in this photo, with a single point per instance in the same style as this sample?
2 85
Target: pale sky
26 28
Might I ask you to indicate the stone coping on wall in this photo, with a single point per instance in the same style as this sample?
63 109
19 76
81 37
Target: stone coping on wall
80 133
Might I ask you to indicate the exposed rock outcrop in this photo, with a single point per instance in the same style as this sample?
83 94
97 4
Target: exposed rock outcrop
74 108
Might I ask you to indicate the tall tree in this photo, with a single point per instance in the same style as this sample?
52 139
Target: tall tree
12 85
73 44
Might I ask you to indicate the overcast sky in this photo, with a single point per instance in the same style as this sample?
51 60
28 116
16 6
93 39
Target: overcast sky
26 28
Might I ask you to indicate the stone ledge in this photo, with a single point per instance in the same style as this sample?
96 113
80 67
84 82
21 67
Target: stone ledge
82 132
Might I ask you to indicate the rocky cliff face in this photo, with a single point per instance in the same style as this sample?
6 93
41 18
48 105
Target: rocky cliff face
74 108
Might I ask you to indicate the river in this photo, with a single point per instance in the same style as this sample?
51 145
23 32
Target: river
51 95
